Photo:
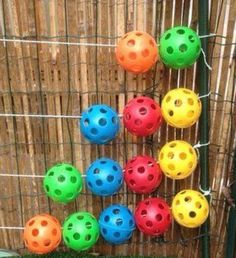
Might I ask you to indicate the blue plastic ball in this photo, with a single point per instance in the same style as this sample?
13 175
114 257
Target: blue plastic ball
116 224
104 177
99 124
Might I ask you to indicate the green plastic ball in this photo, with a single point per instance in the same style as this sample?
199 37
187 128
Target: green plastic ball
179 47
63 183
80 231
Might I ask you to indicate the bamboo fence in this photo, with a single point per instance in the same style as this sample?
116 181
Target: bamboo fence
64 79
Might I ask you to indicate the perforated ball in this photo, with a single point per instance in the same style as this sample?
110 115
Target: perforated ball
142 116
42 234
152 216
116 224
180 47
142 174
99 124
137 52
80 231
181 108
177 159
104 177
62 183
190 208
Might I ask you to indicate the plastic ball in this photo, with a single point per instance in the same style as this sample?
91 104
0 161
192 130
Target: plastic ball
153 216
180 47
136 52
116 224
63 183
42 234
80 231
181 108
142 116
104 177
142 174
177 159
190 208
99 124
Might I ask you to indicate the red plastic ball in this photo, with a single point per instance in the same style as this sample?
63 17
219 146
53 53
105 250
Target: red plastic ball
142 116
153 216
137 52
142 174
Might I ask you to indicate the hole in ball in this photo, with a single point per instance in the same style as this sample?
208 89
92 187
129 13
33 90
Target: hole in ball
150 177
167 36
116 211
177 202
69 227
35 232
73 179
104 231
132 182
57 192
132 55
143 213
198 205
149 224
96 171
138 122
80 217
117 234
187 199
88 225
44 223
103 110
161 206
86 122
192 214
171 112
98 182
35 244
170 50
61 179
131 43
94 131
145 53
119 222
158 217
149 126
127 116
47 242
114 120
141 170
170 155
115 168
88 237
51 173
191 38
190 113
47 188
152 43
168 99
142 111
181 216
178 102
190 101
171 166
110 178
183 48
180 31
106 218
183 155
102 121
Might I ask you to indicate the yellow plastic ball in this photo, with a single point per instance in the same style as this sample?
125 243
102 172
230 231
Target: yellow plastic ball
190 208
181 108
177 159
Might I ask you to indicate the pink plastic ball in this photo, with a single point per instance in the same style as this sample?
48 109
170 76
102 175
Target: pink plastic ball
142 116
142 174
153 216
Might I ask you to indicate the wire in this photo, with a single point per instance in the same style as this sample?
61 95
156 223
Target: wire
56 42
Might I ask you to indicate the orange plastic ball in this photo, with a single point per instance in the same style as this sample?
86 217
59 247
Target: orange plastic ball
137 52
42 234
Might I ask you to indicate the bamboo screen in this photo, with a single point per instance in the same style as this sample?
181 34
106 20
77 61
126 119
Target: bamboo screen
64 80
